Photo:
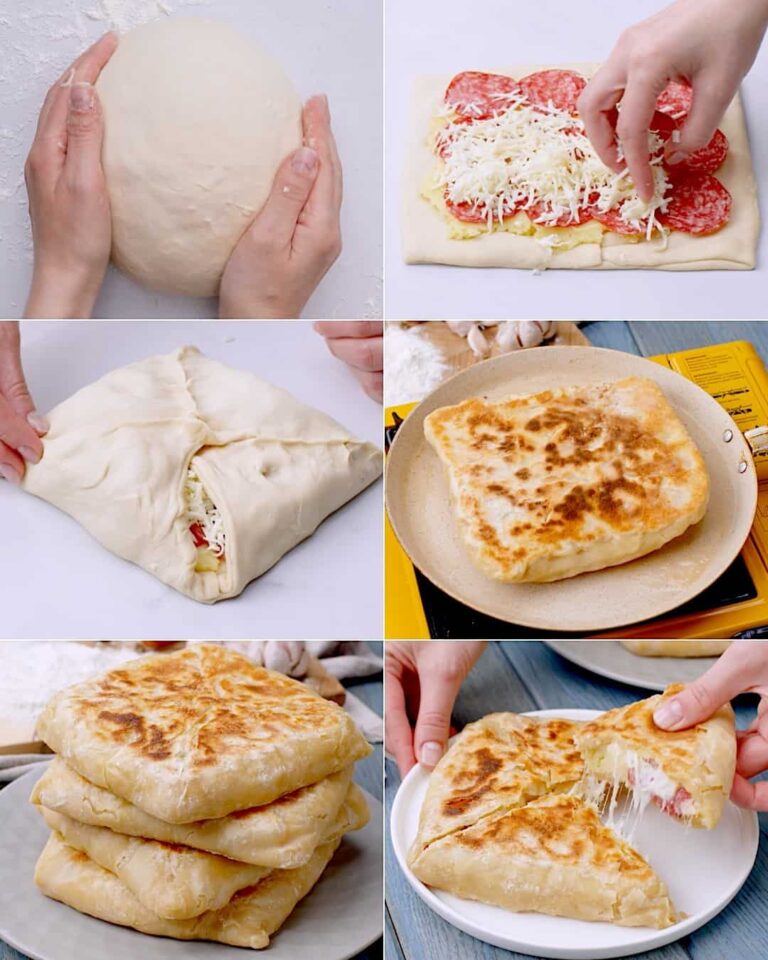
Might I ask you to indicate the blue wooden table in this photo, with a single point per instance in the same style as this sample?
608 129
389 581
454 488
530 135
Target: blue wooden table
520 675
368 773
650 337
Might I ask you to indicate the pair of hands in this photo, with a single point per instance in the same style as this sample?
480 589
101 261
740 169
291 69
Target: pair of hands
423 680
272 271
710 43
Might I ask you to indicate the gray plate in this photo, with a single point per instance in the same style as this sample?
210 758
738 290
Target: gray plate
609 659
339 918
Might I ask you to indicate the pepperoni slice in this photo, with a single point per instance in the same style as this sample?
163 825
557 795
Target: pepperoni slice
663 125
472 212
480 95
197 535
612 220
706 160
444 140
561 88
675 99
699 204
541 207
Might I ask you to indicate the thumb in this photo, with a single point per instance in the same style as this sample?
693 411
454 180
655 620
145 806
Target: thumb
433 724
291 188
711 97
700 699
85 129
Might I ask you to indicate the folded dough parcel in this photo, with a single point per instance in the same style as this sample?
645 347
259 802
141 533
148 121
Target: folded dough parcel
194 795
203 475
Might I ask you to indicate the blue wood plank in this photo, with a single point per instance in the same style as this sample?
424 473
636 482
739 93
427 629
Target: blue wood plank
667 336
392 948
611 334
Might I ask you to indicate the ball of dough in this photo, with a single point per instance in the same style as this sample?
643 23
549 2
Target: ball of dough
197 120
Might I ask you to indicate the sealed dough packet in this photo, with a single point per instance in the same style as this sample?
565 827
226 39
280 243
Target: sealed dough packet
203 475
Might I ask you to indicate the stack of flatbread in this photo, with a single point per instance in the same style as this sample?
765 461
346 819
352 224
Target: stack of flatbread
194 795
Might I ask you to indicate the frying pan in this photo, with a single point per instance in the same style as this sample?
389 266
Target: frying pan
419 507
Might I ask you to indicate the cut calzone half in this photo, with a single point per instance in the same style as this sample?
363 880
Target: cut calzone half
199 733
551 856
203 475
497 763
248 920
174 881
687 773
281 834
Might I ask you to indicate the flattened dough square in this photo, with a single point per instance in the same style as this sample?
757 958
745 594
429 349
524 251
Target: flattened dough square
425 236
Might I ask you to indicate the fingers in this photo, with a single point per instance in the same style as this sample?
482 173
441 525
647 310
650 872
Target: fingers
710 100
18 434
753 796
50 139
362 353
637 108
597 108
325 202
85 132
438 693
733 673
348 328
291 188
399 733
13 385
372 382
752 756
11 465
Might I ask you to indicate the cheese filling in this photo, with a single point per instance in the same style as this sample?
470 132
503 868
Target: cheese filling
206 524
647 784
540 161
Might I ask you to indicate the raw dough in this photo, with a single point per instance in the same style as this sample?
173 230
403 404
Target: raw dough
425 234
118 450
197 121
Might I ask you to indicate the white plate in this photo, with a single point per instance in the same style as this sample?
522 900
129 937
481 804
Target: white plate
608 658
339 918
682 857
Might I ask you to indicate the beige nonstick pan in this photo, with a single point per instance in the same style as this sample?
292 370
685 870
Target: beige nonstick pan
419 508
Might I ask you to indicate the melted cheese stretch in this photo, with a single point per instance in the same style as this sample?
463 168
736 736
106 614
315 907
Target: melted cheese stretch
202 510
523 156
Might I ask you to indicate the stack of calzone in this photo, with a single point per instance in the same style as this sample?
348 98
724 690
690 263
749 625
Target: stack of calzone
194 795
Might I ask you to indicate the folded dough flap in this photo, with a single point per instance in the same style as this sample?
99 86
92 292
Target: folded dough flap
203 475
282 834
175 881
248 920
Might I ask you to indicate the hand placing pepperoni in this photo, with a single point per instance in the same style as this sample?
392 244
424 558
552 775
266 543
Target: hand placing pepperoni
743 668
686 43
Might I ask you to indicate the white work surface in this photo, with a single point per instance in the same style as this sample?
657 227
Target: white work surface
448 36
59 583
332 47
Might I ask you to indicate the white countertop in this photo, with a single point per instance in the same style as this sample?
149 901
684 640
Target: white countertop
57 582
332 47
447 36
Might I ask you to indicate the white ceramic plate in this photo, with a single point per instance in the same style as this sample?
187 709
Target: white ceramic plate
339 918
684 858
608 658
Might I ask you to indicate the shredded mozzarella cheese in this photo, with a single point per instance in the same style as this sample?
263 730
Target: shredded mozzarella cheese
202 510
523 156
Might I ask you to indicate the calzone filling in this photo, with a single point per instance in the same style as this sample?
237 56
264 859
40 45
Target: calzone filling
646 781
206 524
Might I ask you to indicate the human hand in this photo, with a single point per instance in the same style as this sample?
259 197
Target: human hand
422 680
359 344
743 668
710 43
20 425
68 202
295 238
